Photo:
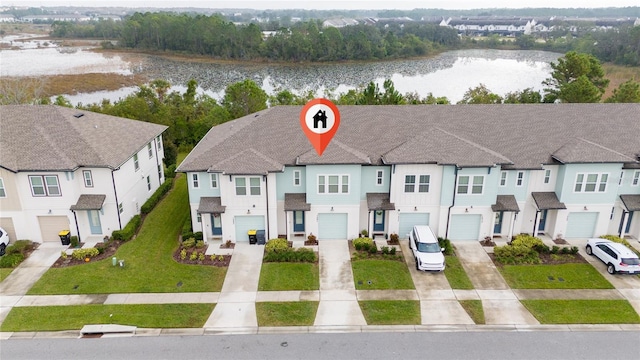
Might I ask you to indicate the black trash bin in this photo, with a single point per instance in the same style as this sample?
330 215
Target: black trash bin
261 237
253 237
65 237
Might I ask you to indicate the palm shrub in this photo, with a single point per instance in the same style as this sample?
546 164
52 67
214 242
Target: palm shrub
276 245
363 244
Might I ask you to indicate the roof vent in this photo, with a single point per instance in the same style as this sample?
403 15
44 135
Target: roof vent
78 115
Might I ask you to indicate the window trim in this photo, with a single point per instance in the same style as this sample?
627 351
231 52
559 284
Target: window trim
584 182
412 184
213 180
150 150
3 190
340 185
159 142
136 163
120 208
635 180
88 184
504 175
470 185
195 180
251 186
547 176
520 178
297 178
148 183
44 185
247 187
379 177
421 183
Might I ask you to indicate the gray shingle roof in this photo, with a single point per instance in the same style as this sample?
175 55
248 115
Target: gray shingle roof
631 202
211 205
547 201
506 203
47 137
522 136
89 202
379 201
296 202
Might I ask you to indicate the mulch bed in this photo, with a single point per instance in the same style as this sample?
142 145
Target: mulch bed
218 260
548 259
109 249
310 242
560 241
487 242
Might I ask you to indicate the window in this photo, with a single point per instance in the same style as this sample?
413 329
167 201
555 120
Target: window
636 178
88 180
520 178
409 183
45 185
503 178
379 177
136 165
214 181
148 182
547 176
195 182
423 185
333 184
254 185
241 186
150 150
296 177
621 177
159 171
120 208
159 142
613 212
477 184
199 217
3 193
591 183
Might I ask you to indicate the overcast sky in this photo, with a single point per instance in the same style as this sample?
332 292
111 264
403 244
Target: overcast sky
332 4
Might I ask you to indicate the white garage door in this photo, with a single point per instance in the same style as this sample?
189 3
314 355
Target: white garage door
246 223
7 225
581 224
408 220
465 227
50 226
332 226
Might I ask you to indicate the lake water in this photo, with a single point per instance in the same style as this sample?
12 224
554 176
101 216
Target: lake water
448 74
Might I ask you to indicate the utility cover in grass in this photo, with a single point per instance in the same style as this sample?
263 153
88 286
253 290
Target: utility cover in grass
381 275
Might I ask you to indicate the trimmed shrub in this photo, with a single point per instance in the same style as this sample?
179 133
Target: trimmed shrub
446 244
291 255
80 254
392 251
157 196
170 171
277 245
19 247
11 260
364 233
198 235
363 244
74 241
516 255
129 230
189 243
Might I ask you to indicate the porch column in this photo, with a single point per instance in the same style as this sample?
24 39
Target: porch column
537 223
370 217
287 223
493 226
512 225
205 236
625 221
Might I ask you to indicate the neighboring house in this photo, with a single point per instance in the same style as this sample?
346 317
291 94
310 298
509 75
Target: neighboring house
69 169
468 171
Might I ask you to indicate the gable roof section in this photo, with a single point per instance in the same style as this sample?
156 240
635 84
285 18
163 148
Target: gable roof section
54 138
247 162
547 201
506 203
520 136
296 202
631 202
89 202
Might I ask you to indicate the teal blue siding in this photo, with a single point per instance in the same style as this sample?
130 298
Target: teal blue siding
370 180
448 181
627 186
284 181
489 190
204 188
566 184
352 198
520 192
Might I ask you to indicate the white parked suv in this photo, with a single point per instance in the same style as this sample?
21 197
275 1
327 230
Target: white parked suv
616 256
4 241
425 248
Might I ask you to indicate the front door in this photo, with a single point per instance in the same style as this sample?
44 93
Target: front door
378 220
497 222
216 224
298 221
94 222
626 230
543 220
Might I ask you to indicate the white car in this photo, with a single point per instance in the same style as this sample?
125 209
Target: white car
616 256
425 248
4 241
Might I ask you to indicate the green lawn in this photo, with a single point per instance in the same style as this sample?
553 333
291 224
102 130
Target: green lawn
455 274
56 318
298 313
391 312
573 276
474 309
4 273
582 311
372 274
289 276
149 266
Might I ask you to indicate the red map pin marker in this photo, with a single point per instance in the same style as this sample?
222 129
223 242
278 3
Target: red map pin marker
320 120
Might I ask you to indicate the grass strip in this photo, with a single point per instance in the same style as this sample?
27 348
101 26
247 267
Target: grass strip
562 276
289 276
582 311
474 309
370 274
56 318
391 312
456 275
297 313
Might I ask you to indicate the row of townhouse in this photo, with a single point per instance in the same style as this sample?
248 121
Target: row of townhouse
468 171
68 169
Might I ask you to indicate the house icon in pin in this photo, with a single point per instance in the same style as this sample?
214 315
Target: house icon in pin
320 116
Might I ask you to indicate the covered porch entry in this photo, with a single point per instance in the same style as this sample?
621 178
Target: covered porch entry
210 210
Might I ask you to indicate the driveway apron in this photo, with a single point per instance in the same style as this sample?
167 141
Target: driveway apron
338 302
500 304
236 303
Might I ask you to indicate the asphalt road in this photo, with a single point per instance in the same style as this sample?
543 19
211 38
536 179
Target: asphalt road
545 345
